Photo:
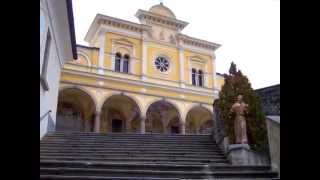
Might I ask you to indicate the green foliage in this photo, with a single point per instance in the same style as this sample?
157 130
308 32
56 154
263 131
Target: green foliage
236 83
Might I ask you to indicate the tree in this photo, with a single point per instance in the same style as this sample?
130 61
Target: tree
236 83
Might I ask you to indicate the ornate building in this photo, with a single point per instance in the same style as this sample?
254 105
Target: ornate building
145 77
57 47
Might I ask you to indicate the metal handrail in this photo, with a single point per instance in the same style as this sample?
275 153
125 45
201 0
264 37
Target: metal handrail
43 116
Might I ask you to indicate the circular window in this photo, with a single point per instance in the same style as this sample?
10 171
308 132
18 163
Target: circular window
162 64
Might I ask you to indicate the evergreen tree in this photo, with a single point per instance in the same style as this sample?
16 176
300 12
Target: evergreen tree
236 83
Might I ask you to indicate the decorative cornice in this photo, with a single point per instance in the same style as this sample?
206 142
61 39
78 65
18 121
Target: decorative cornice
137 82
114 22
132 92
159 19
198 42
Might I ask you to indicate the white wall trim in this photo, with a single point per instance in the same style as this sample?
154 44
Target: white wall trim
102 36
53 35
144 58
144 84
214 78
182 67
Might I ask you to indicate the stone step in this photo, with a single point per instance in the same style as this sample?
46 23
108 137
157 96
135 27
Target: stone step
128 141
125 151
54 177
156 173
245 174
120 145
125 140
78 155
153 135
116 154
120 172
139 159
128 144
142 148
143 166
58 177
114 165
239 167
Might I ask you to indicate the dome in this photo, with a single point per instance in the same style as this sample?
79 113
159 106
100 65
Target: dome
162 10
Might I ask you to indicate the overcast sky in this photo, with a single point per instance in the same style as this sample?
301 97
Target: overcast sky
248 30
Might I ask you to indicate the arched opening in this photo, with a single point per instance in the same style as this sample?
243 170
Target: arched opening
163 117
120 113
206 127
199 120
75 111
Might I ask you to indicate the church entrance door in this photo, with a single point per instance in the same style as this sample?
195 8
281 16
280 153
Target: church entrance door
117 125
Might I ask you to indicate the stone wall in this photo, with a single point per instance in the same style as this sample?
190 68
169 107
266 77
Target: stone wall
273 125
270 99
241 154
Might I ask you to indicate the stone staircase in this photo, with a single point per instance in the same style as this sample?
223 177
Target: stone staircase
84 156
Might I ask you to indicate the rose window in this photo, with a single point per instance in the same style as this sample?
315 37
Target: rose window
162 64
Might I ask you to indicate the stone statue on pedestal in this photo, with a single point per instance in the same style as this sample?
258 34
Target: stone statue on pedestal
240 110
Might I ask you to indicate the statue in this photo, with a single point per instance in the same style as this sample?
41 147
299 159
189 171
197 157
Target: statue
172 40
240 109
161 35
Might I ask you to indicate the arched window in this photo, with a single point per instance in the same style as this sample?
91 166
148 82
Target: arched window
126 63
118 62
200 78
194 76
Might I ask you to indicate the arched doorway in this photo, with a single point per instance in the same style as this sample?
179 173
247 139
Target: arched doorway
163 117
75 111
120 114
206 127
199 120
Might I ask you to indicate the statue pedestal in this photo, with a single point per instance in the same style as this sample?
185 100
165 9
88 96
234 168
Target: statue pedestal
239 154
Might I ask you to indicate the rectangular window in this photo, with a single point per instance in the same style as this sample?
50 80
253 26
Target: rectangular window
126 66
194 77
200 76
200 79
117 65
43 76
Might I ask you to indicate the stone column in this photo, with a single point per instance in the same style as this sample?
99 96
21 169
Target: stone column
214 80
181 60
97 122
102 37
143 125
183 128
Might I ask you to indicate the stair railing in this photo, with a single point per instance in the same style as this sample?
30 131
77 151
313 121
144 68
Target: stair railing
45 114
50 123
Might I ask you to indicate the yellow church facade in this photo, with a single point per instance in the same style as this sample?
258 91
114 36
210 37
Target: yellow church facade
145 77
